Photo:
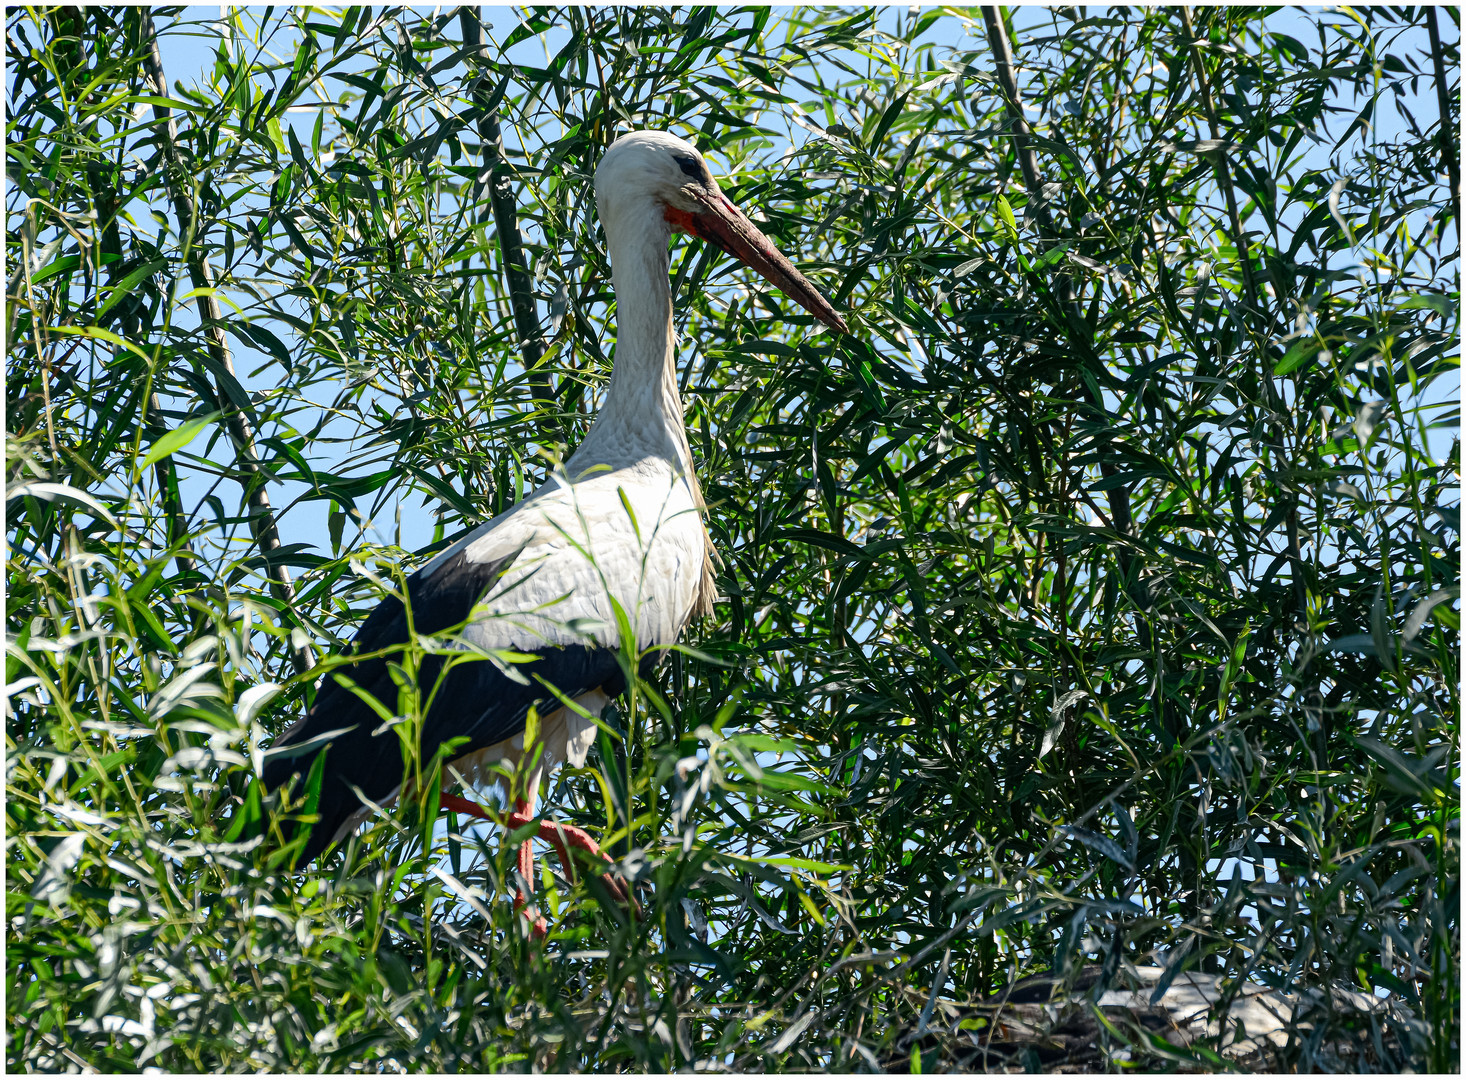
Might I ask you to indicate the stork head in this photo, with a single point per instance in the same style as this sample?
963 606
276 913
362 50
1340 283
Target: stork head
651 174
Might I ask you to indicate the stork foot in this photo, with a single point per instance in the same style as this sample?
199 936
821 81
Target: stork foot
539 929
561 837
463 806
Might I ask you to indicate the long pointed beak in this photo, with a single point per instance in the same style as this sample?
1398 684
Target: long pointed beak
724 225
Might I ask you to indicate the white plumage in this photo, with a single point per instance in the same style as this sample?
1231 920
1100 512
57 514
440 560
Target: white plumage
634 536
619 524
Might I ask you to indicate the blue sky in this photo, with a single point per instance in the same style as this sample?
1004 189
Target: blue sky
188 56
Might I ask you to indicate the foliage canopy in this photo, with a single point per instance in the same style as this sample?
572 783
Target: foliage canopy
1094 602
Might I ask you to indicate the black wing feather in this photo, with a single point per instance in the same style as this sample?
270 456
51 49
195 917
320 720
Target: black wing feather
476 699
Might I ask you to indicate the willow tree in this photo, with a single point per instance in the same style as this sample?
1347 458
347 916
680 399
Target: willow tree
1092 605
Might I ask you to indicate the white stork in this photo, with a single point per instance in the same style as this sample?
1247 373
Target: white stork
621 521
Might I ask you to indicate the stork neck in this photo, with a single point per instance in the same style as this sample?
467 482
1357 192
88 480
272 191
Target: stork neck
642 413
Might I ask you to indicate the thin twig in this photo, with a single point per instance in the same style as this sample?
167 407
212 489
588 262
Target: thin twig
1219 162
104 198
527 329
1119 497
262 517
1448 130
1273 402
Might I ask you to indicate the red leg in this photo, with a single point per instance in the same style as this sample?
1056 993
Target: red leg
524 814
463 806
538 926
559 835
526 867
562 837
521 816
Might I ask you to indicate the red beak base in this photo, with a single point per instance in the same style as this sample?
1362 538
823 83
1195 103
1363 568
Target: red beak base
726 227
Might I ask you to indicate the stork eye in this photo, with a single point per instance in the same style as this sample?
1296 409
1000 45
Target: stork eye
689 165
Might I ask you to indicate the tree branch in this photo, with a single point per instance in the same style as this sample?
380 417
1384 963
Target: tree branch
527 328
1447 136
262 517
1027 159
1118 497
1219 162
1273 400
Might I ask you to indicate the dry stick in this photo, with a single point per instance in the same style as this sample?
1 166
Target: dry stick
1448 140
262 517
1119 497
511 248
1244 256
